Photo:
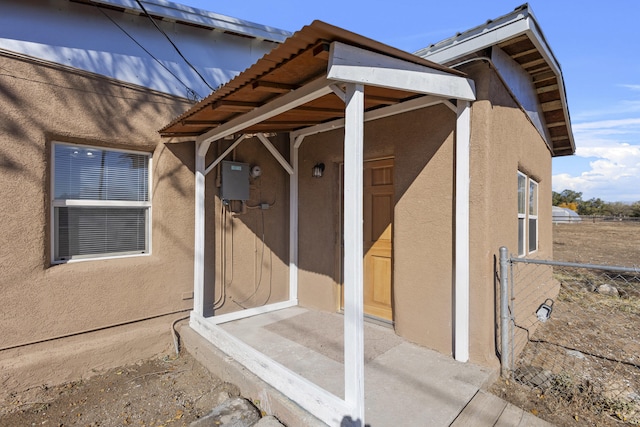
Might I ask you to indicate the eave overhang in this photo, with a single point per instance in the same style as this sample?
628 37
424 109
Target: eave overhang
519 36
295 85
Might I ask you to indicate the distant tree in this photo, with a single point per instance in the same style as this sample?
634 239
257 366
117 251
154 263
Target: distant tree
594 206
635 209
620 209
567 197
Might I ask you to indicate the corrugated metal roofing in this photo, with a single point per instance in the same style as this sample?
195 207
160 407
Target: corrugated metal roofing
302 58
195 17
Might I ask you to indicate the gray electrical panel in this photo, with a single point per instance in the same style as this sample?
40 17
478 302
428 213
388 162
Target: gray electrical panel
235 181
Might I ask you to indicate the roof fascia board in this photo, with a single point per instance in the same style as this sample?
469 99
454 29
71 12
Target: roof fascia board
380 113
355 65
307 93
464 45
178 12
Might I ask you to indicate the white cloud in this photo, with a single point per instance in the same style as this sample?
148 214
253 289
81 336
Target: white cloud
614 172
615 124
632 87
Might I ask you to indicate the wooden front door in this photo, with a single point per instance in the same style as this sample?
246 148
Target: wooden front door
378 244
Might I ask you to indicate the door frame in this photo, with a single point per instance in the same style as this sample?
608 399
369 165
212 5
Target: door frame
339 270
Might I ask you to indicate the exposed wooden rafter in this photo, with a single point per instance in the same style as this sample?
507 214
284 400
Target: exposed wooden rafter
234 106
273 87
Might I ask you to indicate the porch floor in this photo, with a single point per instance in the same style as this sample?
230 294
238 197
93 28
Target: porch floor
405 384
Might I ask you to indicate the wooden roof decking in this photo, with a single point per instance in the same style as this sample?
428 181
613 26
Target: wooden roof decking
520 37
522 50
301 59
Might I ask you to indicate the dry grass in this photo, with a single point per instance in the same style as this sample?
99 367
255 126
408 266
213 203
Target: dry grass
582 367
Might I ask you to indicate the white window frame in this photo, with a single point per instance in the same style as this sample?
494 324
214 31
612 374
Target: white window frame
57 203
529 213
533 216
522 216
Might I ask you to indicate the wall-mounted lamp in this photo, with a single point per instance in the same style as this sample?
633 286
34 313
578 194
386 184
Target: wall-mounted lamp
318 170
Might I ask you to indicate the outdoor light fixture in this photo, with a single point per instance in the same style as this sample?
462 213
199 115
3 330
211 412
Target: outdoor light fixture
318 170
255 172
544 311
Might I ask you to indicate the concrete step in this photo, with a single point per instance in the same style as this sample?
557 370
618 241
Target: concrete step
486 409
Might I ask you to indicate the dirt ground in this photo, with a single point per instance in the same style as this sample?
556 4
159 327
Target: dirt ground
169 391
165 391
583 362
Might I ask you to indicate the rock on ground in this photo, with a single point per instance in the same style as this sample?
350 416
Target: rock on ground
608 290
233 412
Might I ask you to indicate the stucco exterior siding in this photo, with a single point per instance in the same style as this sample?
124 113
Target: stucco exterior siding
43 103
423 226
503 141
247 249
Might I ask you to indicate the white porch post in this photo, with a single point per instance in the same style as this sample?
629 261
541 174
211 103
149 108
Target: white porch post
198 256
463 136
293 218
353 251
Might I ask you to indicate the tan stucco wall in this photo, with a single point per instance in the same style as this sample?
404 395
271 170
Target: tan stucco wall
43 103
422 233
503 141
44 301
250 246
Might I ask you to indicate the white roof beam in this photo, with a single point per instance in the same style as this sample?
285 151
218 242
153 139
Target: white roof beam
275 153
355 65
403 107
223 155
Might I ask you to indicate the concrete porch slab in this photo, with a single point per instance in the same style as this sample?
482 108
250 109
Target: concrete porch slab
405 384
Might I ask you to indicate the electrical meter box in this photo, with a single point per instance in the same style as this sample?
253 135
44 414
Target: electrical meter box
235 181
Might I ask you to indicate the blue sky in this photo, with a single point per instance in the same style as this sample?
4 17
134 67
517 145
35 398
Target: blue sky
596 43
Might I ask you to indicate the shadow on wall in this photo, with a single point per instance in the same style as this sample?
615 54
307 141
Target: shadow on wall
247 244
43 102
412 139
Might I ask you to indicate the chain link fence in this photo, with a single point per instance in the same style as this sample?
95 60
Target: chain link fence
571 333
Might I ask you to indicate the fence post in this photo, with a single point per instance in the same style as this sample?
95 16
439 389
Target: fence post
504 312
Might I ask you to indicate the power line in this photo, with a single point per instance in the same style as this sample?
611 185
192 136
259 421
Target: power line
192 94
173 44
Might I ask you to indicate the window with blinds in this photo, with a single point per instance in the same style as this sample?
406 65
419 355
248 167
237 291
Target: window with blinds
100 202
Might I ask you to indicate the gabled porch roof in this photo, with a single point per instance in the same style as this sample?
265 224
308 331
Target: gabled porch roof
315 82
301 59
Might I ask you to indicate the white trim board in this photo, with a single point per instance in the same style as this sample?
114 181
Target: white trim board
352 64
322 404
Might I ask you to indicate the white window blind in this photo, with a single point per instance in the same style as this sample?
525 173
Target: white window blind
100 202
